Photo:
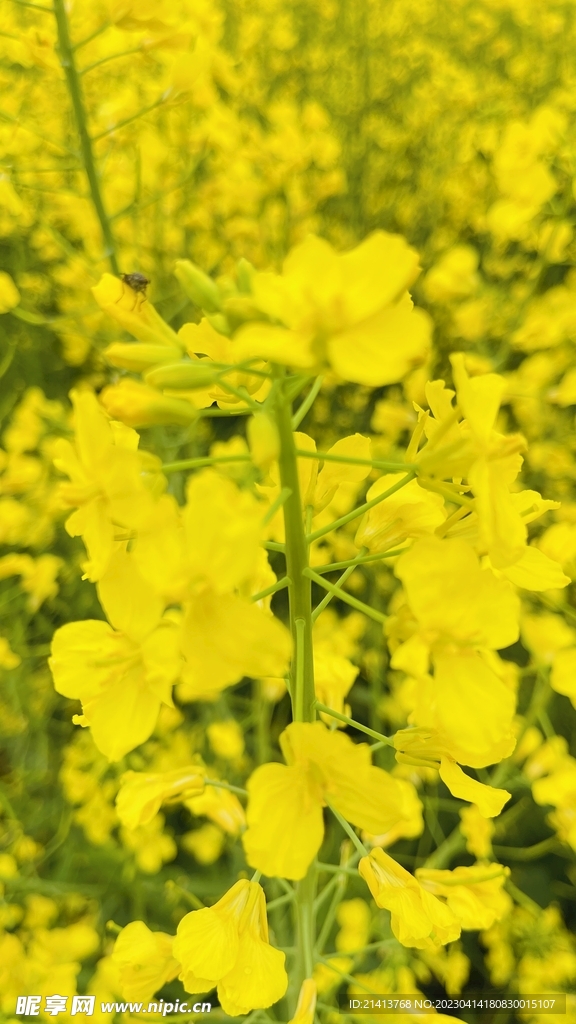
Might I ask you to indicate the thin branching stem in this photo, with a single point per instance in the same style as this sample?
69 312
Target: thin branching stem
67 60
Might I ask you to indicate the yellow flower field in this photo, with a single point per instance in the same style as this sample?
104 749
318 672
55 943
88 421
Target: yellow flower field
288 510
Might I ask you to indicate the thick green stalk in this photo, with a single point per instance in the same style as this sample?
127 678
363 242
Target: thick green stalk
68 63
302 671
305 928
300 593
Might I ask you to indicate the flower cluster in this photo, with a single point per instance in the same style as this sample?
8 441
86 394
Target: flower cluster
287 506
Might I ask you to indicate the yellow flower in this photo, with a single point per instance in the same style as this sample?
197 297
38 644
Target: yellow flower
478 832
420 746
333 678
409 513
546 636
145 961
227 946
106 482
220 806
257 644
351 311
502 527
455 276
138 405
133 312
417 918
463 713
139 357
202 556
205 843
330 490
263 439
38 575
474 894
142 794
285 820
306 1005
455 601
204 341
151 845
121 674
563 675
353 916
7 657
226 739
558 789
9 294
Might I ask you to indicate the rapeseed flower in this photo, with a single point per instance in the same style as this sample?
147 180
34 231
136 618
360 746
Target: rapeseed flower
351 311
227 946
203 556
417 917
285 802
145 961
121 672
106 481
474 894
306 1005
142 794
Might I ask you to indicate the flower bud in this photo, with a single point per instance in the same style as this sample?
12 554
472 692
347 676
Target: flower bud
142 793
240 309
133 312
306 1003
200 288
9 294
140 406
244 274
220 323
138 356
189 374
263 440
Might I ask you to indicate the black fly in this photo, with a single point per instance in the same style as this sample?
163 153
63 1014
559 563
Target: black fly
137 282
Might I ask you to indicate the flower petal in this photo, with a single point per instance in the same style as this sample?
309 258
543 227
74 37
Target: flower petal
488 800
285 826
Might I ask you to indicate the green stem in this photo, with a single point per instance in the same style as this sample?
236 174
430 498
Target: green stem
360 560
326 600
272 589
347 598
302 669
35 7
300 593
226 785
106 60
340 884
335 869
276 504
280 901
305 927
523 899
349 831
213 412
93 35
362 508
527 852
274 545
397 467
386 740
128 120
453 844
68 63
208 460
307 403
